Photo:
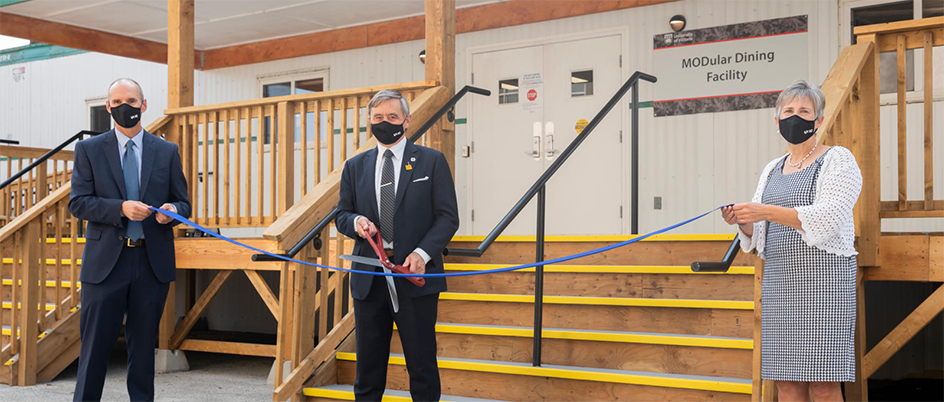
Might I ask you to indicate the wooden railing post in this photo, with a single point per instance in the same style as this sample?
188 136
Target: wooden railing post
756 381
441 67
866 135
29 305
42 181
286 156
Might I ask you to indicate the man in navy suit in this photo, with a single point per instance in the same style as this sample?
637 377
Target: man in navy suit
407 191
129 260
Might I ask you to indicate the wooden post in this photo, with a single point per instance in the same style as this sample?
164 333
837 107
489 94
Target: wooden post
283 334
859 390
441 67
180 57
756 381
866 148
286 156
29 318
42 183
180 53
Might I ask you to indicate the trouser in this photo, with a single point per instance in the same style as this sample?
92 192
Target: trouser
416 324
131 288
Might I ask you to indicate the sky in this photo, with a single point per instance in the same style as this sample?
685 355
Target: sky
7 42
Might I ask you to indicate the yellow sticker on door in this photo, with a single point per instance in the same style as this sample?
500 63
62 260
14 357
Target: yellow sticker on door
581 124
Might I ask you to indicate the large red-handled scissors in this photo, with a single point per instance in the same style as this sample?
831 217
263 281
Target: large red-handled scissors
382 260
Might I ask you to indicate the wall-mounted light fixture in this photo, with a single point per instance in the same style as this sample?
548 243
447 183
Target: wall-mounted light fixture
423 56
677 23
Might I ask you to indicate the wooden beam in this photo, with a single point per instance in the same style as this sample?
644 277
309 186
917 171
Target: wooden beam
909 257
470 19
757 382
900 26
928 120
231 348
859 389
180 53
441 67
54 33
264 291
895 340
286 155
198 308
867 147
29 318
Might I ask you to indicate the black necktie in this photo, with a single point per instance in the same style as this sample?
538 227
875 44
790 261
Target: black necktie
388 195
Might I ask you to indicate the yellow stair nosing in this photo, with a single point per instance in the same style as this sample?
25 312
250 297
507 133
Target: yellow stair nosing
49 261
596 269
50 283
602 301
9 305
66 240
608 336
348 395
562 373
599 238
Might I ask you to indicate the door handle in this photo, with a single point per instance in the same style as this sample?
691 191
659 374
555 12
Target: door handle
549 139
536 141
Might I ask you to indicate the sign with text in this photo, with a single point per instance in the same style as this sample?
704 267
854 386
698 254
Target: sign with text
731 67
532 88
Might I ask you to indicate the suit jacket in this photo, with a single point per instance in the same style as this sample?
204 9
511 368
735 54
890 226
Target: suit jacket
426 213
98 189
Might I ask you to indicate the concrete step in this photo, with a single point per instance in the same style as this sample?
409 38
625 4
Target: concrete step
524 382
650 352
727 318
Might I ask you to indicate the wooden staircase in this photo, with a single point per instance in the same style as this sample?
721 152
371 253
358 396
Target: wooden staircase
630 324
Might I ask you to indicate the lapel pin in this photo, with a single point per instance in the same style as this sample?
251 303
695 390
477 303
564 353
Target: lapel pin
409 167
413 159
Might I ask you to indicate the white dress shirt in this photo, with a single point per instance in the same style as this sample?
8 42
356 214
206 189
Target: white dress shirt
398 149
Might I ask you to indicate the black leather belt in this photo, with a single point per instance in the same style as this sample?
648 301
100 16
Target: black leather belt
134 243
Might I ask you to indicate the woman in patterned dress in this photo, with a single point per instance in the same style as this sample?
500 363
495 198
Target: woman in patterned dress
800 222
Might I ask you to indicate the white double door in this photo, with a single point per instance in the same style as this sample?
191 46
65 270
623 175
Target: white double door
520 130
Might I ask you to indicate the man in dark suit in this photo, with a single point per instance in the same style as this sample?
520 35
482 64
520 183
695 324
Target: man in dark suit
408 190
128 261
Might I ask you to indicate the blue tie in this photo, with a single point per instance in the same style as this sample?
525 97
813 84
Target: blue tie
130 168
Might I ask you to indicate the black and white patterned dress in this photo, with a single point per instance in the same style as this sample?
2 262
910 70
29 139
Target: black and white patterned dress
807 296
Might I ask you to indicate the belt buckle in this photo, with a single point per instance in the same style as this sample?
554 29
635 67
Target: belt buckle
129 243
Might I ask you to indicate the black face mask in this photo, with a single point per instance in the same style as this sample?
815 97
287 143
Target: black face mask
387 133
126 115
796 130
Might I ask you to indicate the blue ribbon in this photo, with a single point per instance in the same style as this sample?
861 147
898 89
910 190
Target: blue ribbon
441 275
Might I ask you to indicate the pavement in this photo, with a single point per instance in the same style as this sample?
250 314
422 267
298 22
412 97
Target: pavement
212 377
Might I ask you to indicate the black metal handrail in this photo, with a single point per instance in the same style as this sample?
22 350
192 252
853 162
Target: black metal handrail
314 233
46 156
538 189
724 264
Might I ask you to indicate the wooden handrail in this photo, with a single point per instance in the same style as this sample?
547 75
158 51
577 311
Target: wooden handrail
307 366
297 220
11 151
418 85
41 207
900 26
839 85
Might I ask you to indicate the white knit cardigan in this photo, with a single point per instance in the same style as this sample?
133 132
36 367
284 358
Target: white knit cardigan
827 223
